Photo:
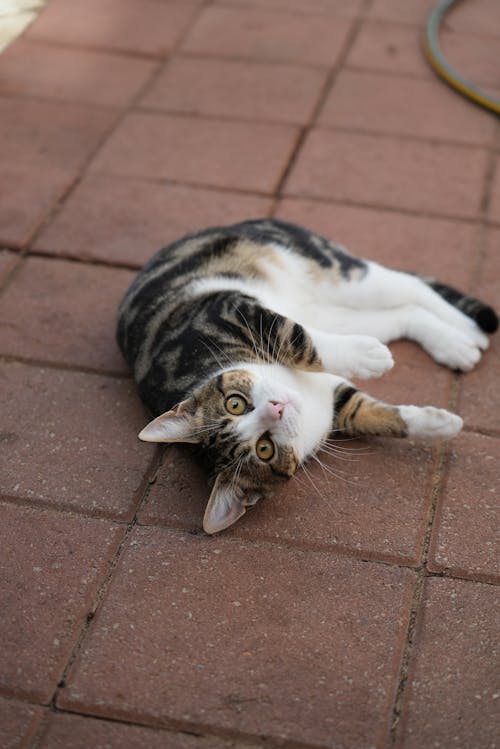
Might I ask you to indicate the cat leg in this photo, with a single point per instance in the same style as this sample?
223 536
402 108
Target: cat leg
386 289
275 338
357 413
447 344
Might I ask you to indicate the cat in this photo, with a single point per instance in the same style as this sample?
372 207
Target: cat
243 340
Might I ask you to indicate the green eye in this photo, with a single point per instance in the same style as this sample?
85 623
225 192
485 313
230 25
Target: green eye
264 448
236 405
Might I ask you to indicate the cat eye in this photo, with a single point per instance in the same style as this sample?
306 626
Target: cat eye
264 448
236 405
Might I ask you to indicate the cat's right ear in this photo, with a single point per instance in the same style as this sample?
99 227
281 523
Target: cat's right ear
224 506
177 425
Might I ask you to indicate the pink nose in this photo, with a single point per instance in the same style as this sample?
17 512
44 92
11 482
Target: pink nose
275 409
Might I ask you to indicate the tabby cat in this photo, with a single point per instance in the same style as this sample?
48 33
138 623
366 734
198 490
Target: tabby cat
242 340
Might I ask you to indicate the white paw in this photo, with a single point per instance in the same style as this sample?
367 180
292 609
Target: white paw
368 358
479 338
459 351
430 422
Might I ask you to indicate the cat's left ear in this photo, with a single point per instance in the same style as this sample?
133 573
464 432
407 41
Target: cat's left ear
177 425
225 507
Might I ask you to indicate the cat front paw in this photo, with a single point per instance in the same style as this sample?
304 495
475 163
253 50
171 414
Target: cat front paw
430 422
367 358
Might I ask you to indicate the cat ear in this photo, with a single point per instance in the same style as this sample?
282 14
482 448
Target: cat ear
177 425
224 507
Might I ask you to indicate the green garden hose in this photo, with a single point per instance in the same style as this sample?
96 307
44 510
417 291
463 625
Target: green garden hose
442 68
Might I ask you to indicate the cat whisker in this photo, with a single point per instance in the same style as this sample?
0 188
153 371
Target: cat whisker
324 466
272 357
336 475
217 359
345 452
307 473
339 456
260 360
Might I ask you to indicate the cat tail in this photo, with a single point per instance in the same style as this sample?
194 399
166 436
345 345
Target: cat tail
484 315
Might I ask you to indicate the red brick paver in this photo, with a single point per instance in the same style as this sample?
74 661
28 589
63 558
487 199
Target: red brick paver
267 35
220 153
57 311
69 440
232 88
194 614
125 220
72 74
406 174
356 608
142 26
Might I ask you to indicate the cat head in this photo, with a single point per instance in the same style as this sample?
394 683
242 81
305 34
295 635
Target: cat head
248 427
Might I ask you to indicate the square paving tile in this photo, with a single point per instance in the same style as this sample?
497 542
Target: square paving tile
47 135
36 69
144 26
479 388
365 500
373 102
127 220
64 312
18 723
78 732
431 246
406 174
245 156
267 35
232 88
239 637
464 537
47 590
453 678
70 440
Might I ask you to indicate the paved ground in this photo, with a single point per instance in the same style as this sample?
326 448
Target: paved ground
357 615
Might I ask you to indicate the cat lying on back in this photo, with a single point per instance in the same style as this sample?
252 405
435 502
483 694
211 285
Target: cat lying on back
241 339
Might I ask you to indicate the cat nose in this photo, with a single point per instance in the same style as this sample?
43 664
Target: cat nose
275 409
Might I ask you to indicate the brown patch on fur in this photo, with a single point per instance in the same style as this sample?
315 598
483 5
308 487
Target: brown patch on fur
248 259
364 415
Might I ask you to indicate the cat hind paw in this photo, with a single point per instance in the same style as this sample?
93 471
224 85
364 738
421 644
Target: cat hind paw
430 422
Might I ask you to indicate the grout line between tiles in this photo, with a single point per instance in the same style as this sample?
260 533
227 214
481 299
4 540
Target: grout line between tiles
64 367
325 89
417 598
154 465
